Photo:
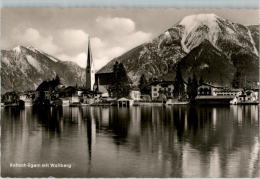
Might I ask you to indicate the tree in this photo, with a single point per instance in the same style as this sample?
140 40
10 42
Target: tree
49 86
236 83
57 79
121 86
142 82
10 97
189 88
178 83
192 88
122 75
201 81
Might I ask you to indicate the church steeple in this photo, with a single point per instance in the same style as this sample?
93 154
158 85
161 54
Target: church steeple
89 57
90 74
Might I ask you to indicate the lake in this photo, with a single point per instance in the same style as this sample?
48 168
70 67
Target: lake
140 141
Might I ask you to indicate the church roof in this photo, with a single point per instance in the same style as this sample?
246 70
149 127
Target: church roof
105 78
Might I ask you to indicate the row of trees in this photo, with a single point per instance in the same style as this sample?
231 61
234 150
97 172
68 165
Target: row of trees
121 83
47 85
179 86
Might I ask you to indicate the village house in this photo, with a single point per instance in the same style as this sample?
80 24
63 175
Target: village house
125 102
102 83
161 89
205 90
135 94
27 97
10 97
210 90
245 97
146 98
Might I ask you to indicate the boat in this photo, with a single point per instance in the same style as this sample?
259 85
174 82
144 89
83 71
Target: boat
244 99
214 100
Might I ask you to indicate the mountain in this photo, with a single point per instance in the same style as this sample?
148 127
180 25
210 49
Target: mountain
24 68
205 44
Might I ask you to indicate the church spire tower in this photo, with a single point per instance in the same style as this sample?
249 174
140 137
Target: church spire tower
90 72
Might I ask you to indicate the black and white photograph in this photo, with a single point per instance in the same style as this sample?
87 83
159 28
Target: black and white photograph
129 92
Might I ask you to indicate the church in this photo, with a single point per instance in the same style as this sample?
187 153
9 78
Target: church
90 71
101 82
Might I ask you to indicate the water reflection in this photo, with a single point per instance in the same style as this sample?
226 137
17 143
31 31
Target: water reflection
147 141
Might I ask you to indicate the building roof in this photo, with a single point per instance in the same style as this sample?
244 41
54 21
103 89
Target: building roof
124 99
105 78
210 85
228 90
161 83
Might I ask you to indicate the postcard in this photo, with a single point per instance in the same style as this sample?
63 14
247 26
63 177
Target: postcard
129 92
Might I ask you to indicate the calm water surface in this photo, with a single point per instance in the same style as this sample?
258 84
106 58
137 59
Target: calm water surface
147 141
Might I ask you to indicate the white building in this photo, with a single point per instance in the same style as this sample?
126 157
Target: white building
135 95
225 92
246 97
162 88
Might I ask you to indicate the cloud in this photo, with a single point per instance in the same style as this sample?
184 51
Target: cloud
97 43
117 25
109 52
134 39
100 61
80 59
118 35
31 36
72 39
110 37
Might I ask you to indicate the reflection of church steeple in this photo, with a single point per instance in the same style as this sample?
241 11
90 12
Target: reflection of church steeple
89 124
89 136
90 74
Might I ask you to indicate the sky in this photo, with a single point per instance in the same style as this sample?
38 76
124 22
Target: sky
64 32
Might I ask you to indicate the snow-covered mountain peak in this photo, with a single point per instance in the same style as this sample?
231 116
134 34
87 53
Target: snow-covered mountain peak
17 49
199 27
196 19
23 68
21 48
32 48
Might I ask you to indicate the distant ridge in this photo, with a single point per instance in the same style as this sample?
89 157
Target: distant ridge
24 68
